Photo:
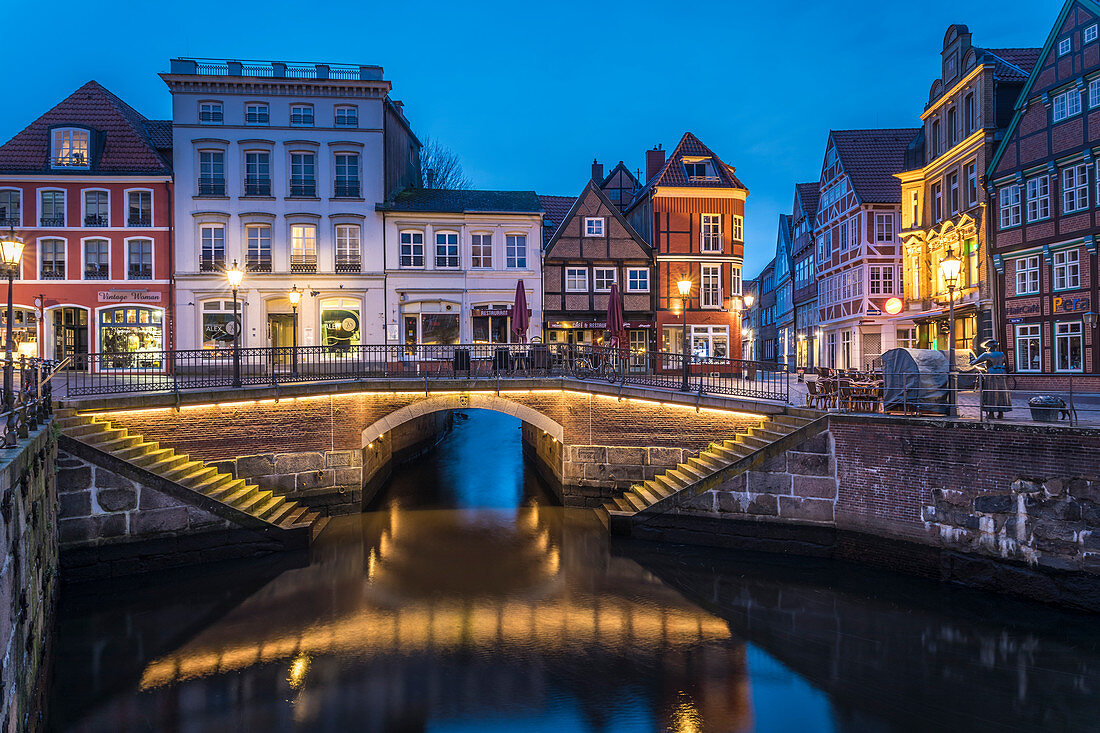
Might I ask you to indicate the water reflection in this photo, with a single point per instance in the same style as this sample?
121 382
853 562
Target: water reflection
468 601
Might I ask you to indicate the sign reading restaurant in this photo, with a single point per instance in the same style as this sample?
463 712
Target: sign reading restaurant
128 296
596 324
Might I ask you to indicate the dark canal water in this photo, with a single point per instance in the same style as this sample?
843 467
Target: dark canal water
469 601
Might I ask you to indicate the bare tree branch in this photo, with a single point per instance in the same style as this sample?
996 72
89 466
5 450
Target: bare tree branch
440 167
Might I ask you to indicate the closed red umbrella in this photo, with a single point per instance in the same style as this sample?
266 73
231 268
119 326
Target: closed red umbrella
520 319
614 316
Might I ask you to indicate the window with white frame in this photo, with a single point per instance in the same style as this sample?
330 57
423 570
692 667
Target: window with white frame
303 248
842 235
348 254
11 202
1027 275
576 279
52 208
1090 34
1069 346
710 291
52 259
412 249
70 148
710 342
735 280
347 116
139 208
1075 188
738 228
603 278
257 173
97 259
937 201
1029 348
711 233
301 115
593 226
481 250
258 237
1094 93
884 227
1067 269
347 175
211 113
953 191
446 249
1067 104
1065 45
303 174
515 246
96 209
256 113
971 184
1010 205
212 256
211 173
637 279
139 259
881 280
1038 198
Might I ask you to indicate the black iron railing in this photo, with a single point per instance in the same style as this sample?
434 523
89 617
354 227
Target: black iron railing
211 187
52 221
31 401
95 220
139 220
347 189
166 371
303 188
257 186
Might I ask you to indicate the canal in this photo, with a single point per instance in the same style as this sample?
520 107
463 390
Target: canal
467 600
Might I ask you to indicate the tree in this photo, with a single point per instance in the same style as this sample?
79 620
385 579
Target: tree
440 167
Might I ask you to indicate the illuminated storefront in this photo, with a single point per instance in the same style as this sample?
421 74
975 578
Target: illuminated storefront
340 322
24 331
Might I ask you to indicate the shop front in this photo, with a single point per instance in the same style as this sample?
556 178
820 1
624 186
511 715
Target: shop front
430 323
130 336
639 335
24 331
341 323
491 324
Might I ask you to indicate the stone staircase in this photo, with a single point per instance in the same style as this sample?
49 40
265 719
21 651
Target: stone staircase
667 490
196 483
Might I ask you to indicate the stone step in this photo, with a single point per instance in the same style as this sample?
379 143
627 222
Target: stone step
103 436
770 435
792 420
79 430
212 484
603 515
623 505
682 476
180 470
656 487
65 412
670 482
707 463
135 451
316 524
253 500
294 516
198 477
282 512
152 457
804 412
694 468
635 500
648 495
270 507
728 453
225 492
113 446
752 441
170 463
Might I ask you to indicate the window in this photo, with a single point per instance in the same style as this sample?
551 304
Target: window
576 279
1029 348
970 249
968 113
301 115
96 209
937 140
139 259
1090 34
53 208
132 330
481 250
698 170
96 259
914 205
211 113
258 237
738 228
953 191
875 280
139 209
256 113
216 316
1075 192
842 235
735 280
491 329
257 173
637 280
347 116
1010 206
937 202
1094 93
303 168
710 342
1038 198
1065 46
212 256
1027 275
211 173
711 233
446 249
303 248
516 246
1067 269
710 291
593 226
971 184
846 349
10 201
603 279
52 259
348 257
1068 346
347 174
952 126
884 227
1067 104
412 249
70 148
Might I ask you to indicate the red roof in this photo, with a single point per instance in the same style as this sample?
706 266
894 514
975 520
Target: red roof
1015 63
871 158
673 173
122 143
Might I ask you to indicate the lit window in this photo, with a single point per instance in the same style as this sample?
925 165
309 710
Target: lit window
1029 348
301 115
210 113
303 248
711 233
1068 346
735 280
739 228
971 184
70 148
256 113
593 226
412 249
481 250
348 256
1075 190
1027 275
1065 46
347 117
1038 198
710 291
637 280
1067 104
1010 206
1067 269
603 279
446 249
576 279
516 246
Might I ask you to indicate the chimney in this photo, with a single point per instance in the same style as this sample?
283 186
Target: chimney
654 159
429 178
597 171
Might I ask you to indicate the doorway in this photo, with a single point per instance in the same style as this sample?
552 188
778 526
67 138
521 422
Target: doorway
70 336
280 335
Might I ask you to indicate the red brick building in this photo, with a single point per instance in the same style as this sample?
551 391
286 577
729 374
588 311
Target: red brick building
1044 190
88 186
692 212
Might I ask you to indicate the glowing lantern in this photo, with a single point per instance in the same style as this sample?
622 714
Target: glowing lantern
893 306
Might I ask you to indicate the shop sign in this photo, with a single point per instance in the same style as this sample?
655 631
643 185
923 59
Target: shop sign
128 296
596 324
1060 304
1022 308
476 312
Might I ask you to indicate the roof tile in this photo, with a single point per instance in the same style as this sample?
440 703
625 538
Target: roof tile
871 158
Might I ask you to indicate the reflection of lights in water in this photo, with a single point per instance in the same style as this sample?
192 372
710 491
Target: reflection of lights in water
371 561
553 561
298 669
685 718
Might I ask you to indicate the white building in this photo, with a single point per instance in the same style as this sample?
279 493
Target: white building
453 259
280 167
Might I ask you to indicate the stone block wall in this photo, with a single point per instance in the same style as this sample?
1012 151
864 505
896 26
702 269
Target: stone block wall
332 479
28 576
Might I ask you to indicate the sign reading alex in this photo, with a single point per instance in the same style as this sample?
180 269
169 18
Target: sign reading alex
1061 304
128 296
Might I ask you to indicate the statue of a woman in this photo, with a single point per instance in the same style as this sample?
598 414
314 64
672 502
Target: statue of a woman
995 395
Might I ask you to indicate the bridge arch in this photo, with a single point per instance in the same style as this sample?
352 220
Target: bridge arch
465 401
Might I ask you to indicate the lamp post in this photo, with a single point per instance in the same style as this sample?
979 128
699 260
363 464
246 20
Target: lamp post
235 274
949 269
684 286
11 249
295 297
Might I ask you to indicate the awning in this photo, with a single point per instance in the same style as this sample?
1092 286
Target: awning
944 312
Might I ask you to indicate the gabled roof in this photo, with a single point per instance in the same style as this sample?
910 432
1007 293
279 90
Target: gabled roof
620 167
159 133
593 187
1013 63
464 201
121 144
672 172
807 195
871 158
556 208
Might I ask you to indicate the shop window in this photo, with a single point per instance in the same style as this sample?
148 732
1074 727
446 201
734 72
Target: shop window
340 322
491 329
216 316
24 333
439 328
134 331
710 342
1068 346
1029 348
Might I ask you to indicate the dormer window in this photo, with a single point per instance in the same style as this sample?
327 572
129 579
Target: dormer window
70 148
1065 46
699 170
210 113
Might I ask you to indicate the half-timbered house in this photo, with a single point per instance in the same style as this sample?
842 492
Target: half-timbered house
804 291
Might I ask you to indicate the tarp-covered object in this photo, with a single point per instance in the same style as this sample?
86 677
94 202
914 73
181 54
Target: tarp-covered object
915 380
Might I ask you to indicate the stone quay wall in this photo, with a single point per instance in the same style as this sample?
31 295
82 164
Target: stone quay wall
28 576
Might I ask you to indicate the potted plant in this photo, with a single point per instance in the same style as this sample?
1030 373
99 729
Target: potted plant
1046 408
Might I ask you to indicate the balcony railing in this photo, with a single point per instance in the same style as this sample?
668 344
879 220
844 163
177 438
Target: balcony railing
212 264
303 188
258 264
211 187
348 263
303 263
95 220
276 69
139 220
301 120
210 116
52 272
139 272
9 221
95 272
261 118
52 221
257 186
349 189
72 160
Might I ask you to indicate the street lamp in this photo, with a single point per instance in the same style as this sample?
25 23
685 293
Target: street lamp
235 274
949 269
295 297
684 286
11 250
749 300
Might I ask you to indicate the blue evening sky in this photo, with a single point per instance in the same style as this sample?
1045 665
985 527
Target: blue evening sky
528 93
